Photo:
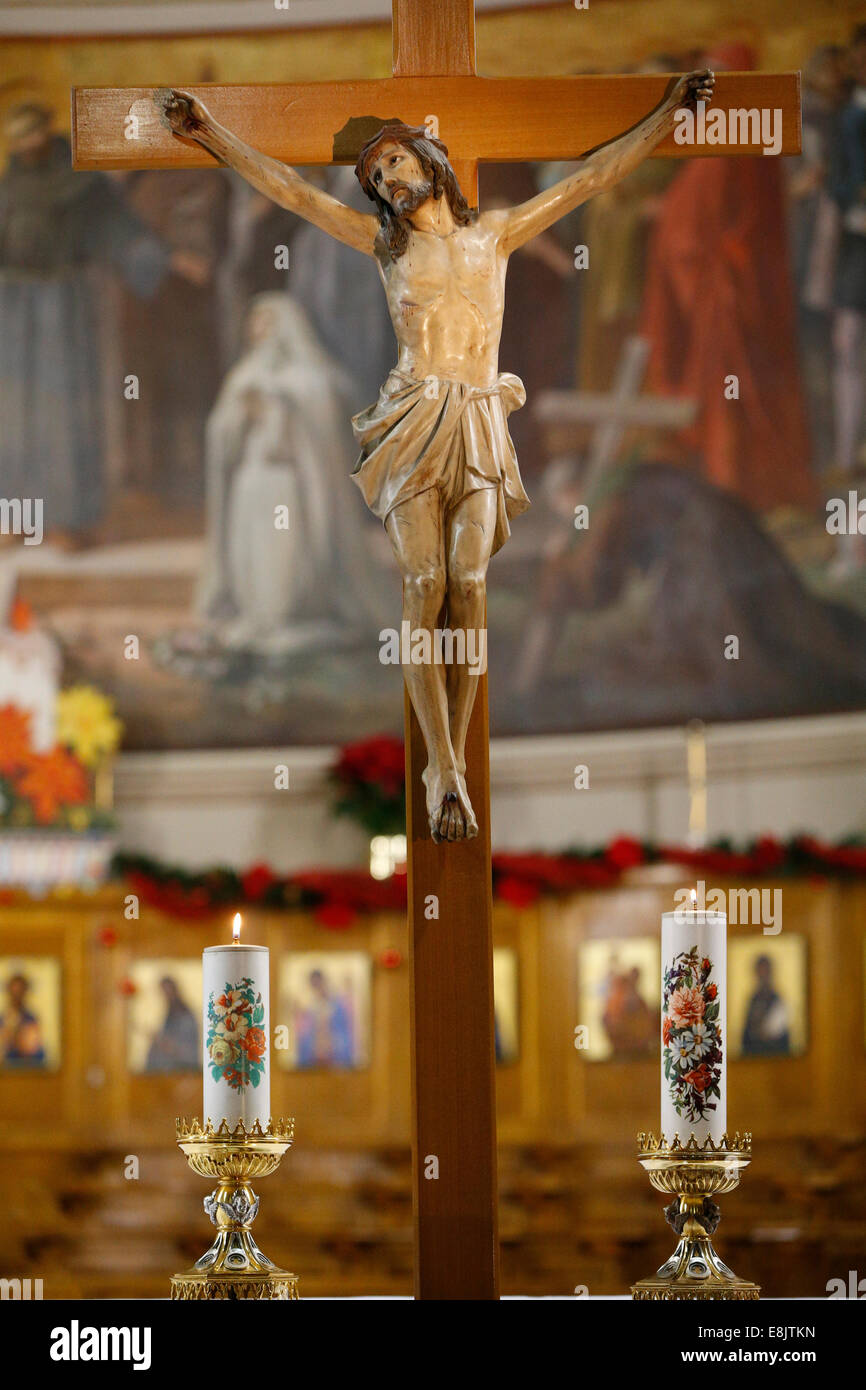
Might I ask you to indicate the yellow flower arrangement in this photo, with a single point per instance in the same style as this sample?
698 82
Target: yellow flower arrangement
87 724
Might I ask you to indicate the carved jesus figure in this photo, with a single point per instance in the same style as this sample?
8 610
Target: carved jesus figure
437 464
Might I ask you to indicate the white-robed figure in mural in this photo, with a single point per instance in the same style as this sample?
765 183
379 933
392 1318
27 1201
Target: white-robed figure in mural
285 559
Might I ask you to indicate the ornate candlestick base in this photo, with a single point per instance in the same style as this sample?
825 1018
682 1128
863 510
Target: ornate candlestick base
234 1266
694 1173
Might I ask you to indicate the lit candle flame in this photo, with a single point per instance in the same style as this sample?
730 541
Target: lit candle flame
236 929
694 897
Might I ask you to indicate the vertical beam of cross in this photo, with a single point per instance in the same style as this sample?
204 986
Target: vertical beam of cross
433 39
451 953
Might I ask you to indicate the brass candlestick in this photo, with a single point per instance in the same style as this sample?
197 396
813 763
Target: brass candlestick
694 1173
234 1266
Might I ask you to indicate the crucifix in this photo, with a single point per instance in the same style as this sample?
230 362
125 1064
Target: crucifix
416 139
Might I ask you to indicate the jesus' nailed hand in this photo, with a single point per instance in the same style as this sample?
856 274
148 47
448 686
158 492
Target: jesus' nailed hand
437 464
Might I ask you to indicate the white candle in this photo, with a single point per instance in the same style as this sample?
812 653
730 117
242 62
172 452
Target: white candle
694 1037
236 1032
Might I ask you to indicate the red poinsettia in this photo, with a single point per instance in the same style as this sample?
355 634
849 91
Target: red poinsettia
768 853
335 915
369 779
256 882
379 761
848 857
517 891
625 852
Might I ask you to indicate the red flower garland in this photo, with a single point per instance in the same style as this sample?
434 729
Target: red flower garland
337 897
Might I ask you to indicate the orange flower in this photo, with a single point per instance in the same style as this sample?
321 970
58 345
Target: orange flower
20 616
254 1044
52 780
666 1030
700 1078
15 748
686 1005
712 991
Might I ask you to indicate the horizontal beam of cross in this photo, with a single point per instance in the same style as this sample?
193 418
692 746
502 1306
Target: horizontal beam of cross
487 118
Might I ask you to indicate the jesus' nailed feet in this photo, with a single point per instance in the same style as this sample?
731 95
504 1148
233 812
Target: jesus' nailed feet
449 810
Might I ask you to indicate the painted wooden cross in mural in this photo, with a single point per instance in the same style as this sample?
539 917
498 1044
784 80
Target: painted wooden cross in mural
446 508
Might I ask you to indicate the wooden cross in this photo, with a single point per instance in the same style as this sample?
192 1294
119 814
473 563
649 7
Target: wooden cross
613 412
453 1078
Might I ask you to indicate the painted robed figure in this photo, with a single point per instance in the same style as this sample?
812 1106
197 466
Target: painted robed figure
436 463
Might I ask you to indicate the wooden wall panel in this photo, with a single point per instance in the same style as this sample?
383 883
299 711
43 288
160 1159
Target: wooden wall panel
550 1094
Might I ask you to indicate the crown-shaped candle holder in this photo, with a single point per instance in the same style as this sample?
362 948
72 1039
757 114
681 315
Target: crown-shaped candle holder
693 1174
234 1266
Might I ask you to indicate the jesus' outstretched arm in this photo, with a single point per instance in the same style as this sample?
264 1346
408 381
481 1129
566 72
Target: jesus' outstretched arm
605 166
189 118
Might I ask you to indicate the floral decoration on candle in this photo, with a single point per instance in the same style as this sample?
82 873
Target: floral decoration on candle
236 1041
691 1035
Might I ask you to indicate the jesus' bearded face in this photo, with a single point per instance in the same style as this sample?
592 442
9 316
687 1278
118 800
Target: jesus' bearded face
399 179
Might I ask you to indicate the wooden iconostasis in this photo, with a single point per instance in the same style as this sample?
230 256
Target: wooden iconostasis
108 1056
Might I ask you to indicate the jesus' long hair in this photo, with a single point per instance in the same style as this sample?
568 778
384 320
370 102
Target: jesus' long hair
432 155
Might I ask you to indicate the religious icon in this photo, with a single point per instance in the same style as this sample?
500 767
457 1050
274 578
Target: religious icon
437 464
29 1013
325 1001
163 1019
619 997
506 1015
767 996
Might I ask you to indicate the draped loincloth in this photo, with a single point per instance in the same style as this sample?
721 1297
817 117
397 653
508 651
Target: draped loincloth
441 434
